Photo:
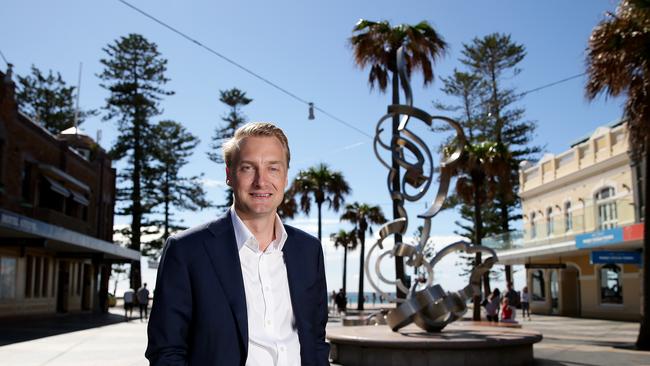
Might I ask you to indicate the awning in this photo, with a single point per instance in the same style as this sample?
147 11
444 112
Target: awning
60 239
57 187
80 198
54 172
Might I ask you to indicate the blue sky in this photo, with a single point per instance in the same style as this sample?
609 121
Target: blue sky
302 46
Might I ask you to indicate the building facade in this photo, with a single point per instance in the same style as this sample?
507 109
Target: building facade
582 237
57 195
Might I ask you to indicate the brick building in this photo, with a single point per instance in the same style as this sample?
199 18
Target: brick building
57 195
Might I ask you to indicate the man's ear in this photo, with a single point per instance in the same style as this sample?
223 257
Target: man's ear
228 177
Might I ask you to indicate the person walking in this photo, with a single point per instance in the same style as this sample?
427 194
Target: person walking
129 297
143 300
525 303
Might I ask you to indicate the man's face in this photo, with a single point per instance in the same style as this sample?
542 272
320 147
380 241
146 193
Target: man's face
258 177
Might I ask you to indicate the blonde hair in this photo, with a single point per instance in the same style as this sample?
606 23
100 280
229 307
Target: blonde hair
230 148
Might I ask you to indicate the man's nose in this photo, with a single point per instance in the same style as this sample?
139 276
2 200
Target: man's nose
260 178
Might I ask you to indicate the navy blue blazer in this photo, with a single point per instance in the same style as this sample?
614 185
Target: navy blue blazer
199 306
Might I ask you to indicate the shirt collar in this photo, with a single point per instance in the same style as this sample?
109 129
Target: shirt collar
244 237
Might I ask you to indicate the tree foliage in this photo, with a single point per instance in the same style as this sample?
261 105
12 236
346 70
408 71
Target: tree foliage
375 45
166 186
348 241
320 184
134 75
362 216
49 101
235 118
618 63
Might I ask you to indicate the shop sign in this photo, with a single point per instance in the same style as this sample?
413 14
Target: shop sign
633 232
599 238
613 257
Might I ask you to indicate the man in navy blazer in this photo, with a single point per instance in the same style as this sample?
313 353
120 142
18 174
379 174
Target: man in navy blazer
244 289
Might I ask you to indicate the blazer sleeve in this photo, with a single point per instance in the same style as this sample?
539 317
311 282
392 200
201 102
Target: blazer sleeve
322 347
171 312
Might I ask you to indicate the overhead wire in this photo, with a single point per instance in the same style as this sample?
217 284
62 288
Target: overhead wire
284 90
4 58
244 68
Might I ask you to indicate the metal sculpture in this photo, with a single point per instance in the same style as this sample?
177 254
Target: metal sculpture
427 304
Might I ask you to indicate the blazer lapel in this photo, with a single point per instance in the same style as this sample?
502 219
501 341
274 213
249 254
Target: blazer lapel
225 262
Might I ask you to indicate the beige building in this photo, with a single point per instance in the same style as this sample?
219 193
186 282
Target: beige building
582 239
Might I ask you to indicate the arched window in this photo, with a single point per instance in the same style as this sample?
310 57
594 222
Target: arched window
607 217
568 217
533 229
549 221
611 284
539 286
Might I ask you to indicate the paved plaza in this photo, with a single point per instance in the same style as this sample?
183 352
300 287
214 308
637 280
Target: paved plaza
76 340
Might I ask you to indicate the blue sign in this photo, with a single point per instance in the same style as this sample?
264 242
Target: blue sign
599 238
606 257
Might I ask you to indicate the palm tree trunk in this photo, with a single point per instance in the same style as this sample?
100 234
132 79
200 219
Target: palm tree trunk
643 340
360 299
345 269
478 234
320 224
399 261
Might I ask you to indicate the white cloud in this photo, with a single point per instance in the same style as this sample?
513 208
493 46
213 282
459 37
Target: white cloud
212 183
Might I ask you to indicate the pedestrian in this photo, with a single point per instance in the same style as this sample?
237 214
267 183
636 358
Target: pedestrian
507 313
512 295
129 297
245 288
374 298
492 306
143 300
525 303
341 301
333 299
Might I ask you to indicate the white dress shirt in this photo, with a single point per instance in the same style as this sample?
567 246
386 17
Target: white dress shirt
272 334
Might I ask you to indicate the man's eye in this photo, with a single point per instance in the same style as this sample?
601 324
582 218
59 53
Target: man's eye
245 168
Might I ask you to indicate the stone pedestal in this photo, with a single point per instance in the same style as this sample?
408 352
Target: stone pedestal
460 343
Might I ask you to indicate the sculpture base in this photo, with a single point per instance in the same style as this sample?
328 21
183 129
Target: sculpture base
460 343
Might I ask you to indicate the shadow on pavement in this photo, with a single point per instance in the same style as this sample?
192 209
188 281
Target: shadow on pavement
21 329
543 362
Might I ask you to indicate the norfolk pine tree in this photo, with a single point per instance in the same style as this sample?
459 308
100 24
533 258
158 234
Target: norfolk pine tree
167 187
494 58
49 100
235 118
134 75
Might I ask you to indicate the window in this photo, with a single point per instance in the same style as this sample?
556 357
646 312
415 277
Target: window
549 221
26 182
568 217
607 217
539 287
46 277
7 278
2 150
533 229
29 275
79 269
37 276
611 284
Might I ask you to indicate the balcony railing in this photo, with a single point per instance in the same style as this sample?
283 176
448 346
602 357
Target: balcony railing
586 216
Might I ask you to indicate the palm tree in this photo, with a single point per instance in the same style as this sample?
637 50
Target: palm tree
479 179
323 185
363 216
375 44
347 240
618 63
